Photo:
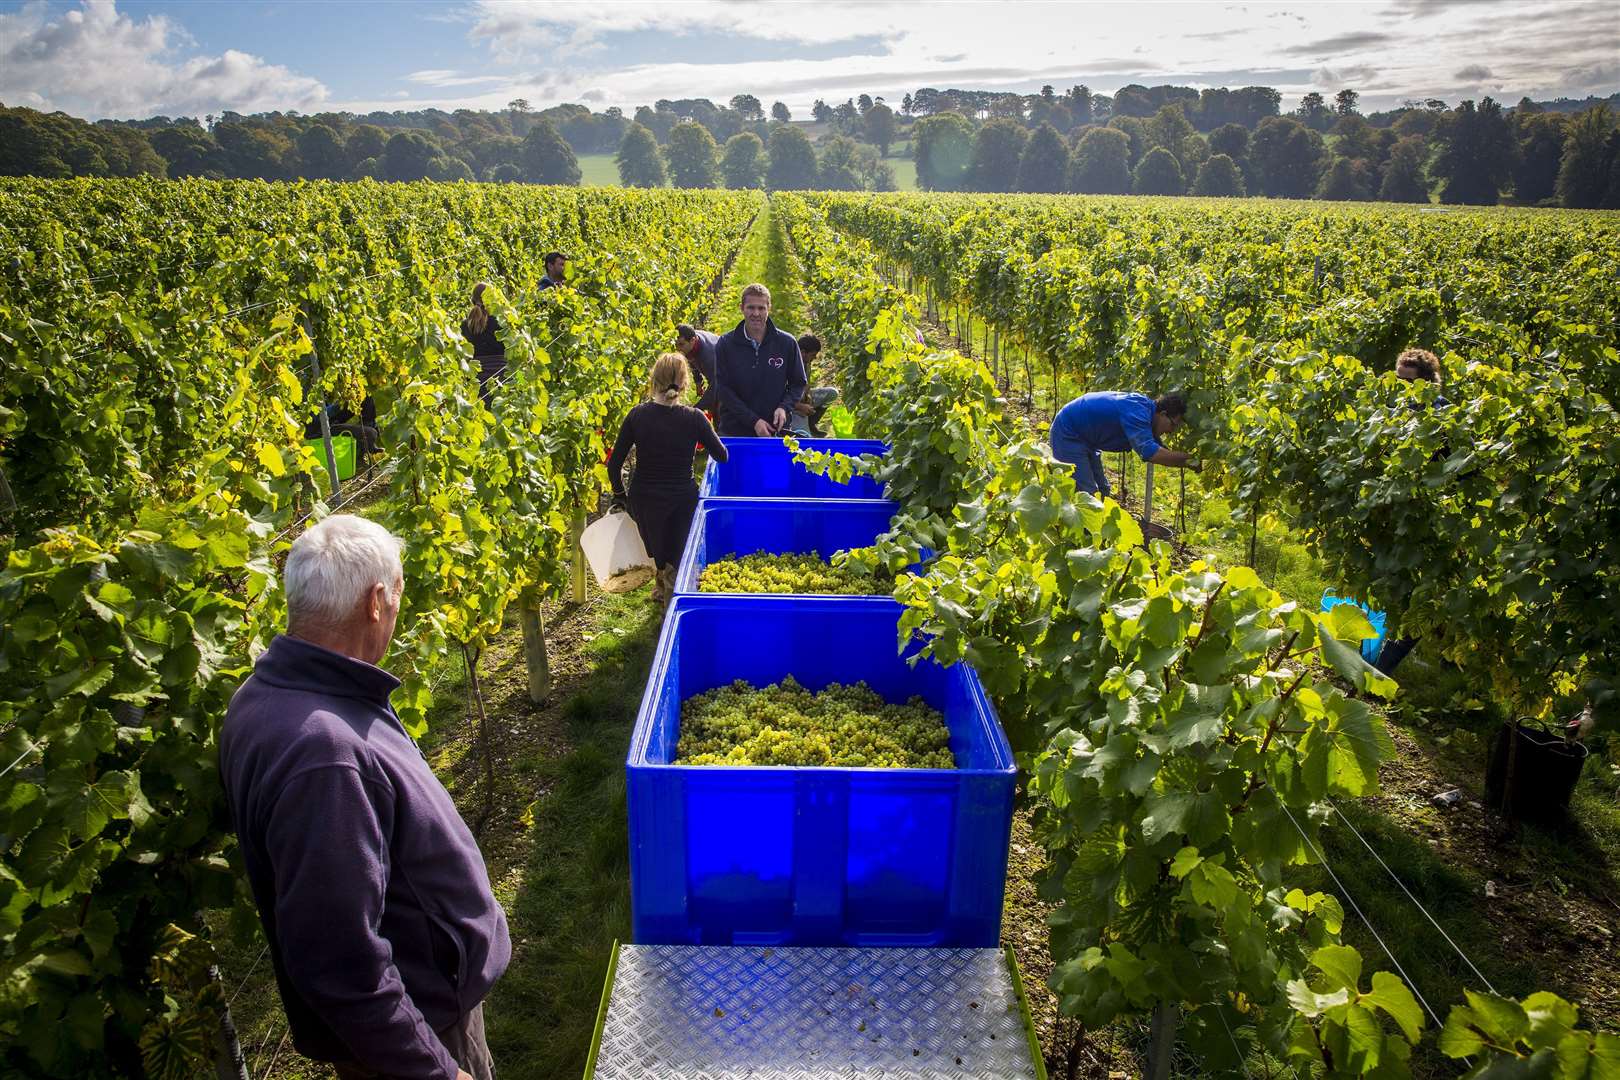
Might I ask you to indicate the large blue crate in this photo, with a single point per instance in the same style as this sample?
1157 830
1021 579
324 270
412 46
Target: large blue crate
764 469
1373 647
813 856
732 527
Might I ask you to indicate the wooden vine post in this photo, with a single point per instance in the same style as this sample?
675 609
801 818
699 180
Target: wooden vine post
576 590
535 658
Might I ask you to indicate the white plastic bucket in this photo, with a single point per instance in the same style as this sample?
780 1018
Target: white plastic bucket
615 553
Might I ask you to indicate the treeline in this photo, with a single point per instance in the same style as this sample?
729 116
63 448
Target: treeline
1471 154
1161 140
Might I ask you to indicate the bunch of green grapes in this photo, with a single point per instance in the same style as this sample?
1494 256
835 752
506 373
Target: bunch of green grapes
803 574
785 724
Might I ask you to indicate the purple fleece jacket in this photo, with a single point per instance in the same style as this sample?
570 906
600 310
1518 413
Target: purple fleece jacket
373 893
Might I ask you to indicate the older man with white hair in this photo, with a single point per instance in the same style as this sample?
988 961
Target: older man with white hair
373 894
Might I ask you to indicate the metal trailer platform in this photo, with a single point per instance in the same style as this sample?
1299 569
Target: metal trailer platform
705 1012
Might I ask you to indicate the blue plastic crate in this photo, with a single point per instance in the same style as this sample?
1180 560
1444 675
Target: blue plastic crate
764 469
723 855
727 527
1370 647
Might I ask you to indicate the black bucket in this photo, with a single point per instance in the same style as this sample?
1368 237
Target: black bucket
1532 773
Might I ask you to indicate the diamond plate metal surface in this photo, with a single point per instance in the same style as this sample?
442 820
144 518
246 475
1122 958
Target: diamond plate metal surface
690 1012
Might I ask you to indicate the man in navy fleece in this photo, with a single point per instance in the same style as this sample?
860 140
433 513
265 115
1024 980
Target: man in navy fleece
758 371
1111 421
373 894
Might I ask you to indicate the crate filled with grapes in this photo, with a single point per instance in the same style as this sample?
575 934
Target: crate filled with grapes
785 546
794 779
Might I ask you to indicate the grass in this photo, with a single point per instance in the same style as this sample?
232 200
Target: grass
764 258
598 170
573 900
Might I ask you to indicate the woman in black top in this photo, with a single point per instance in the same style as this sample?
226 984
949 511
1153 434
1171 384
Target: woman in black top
663 494
480 328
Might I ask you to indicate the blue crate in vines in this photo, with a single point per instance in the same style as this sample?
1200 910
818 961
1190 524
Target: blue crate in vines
813 856
765 469
724 528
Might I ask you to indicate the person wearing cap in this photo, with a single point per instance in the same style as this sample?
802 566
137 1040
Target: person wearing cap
698 348
555 263
1111 421
759 371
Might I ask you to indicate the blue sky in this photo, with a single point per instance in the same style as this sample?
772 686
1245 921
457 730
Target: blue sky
131 58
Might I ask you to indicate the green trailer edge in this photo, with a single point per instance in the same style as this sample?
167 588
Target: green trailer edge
1035 1056
601 1012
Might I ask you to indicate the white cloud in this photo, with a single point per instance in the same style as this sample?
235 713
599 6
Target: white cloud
528 30
97 62
438 77
1561 47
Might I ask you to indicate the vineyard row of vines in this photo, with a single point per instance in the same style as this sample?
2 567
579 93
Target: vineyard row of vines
1183 738
157 342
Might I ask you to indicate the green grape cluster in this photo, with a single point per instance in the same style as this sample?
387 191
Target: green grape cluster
785 724
806 573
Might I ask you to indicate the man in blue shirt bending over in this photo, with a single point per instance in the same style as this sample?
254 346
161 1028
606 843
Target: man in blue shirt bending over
1112 421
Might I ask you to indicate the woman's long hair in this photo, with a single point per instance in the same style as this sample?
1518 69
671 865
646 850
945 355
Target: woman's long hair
669 378
478 315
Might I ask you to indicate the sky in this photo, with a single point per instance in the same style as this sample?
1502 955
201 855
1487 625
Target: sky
140 58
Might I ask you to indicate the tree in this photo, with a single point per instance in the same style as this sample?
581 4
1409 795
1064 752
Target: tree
996 149
1219 176
190 151
1476 154
1345 180
743 163
1170 129
942 145
1231 140
547 159
1136 131
793 160
1345 103
1045 163
1101 162
257 151
692 157
1313 112
1078 100
905 104
748 107
1286 157
1585 174
321 154
364 141
881 127
1354 138
507 173
1404 180
839 169
1541 147
781 113
1158 174
640 164
447 169
407 155
864 103
518 105
846 114
821 112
